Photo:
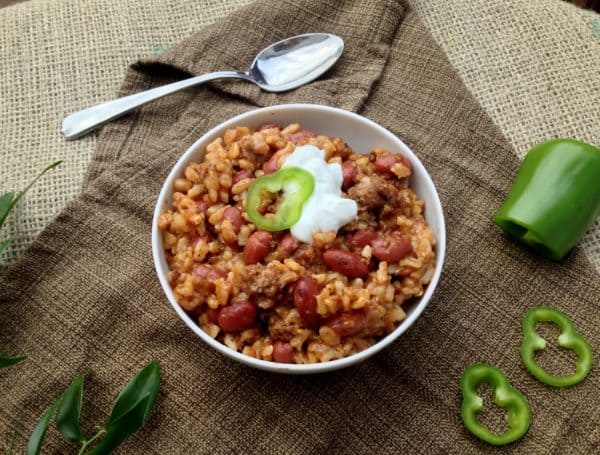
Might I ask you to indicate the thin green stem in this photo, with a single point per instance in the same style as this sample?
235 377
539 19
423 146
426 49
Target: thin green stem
89 441
9 450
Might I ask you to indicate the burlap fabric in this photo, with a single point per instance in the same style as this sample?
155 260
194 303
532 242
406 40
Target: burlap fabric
532 65
85 297
57 57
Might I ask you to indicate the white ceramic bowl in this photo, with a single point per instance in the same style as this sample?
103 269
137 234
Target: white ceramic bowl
362 135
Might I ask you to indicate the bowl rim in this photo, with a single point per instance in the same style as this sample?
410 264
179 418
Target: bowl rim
158 252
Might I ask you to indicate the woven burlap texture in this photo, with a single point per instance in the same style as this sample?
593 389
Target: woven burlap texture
85 296
534 66
57 57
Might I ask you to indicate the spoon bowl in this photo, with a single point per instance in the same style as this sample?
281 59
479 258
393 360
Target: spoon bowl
295 61
282 66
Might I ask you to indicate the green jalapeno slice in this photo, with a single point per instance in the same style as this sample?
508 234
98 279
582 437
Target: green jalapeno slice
296 184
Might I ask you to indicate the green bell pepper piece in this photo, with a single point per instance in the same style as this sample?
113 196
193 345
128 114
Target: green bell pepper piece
569 338
555 197
505 396
297 186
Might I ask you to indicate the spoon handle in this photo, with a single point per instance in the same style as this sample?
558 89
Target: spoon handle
82 122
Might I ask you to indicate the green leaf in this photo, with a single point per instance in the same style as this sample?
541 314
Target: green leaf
6 361
144 384
37 437
9 200
121 428
4 244
67 417
5 205
131 408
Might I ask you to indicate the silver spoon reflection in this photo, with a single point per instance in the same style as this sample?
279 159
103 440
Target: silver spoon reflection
282 66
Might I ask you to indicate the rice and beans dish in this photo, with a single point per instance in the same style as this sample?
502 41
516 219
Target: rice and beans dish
320 264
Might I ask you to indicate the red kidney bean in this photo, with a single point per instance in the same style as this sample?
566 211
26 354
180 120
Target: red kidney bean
289 244
203 206
193 237
391 249
212 315
271 166
257 247
384 163
268 126
238 316
207 272
361 238
345 262
241 175
406 162
347 324
349 171
196 238
301 135
283 352
235 217
305 300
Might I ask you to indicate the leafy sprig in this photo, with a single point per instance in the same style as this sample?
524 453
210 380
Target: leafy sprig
7 203
10 199
6 361
130 410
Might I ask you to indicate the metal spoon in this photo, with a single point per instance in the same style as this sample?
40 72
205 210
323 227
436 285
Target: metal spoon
282 66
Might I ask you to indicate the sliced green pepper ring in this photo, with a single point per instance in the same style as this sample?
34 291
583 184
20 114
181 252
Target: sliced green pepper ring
569 338
505 396
297 186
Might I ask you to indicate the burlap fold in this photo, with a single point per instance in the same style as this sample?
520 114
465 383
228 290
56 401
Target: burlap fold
85 296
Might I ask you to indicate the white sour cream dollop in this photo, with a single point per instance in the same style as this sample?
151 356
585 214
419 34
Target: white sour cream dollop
325 209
